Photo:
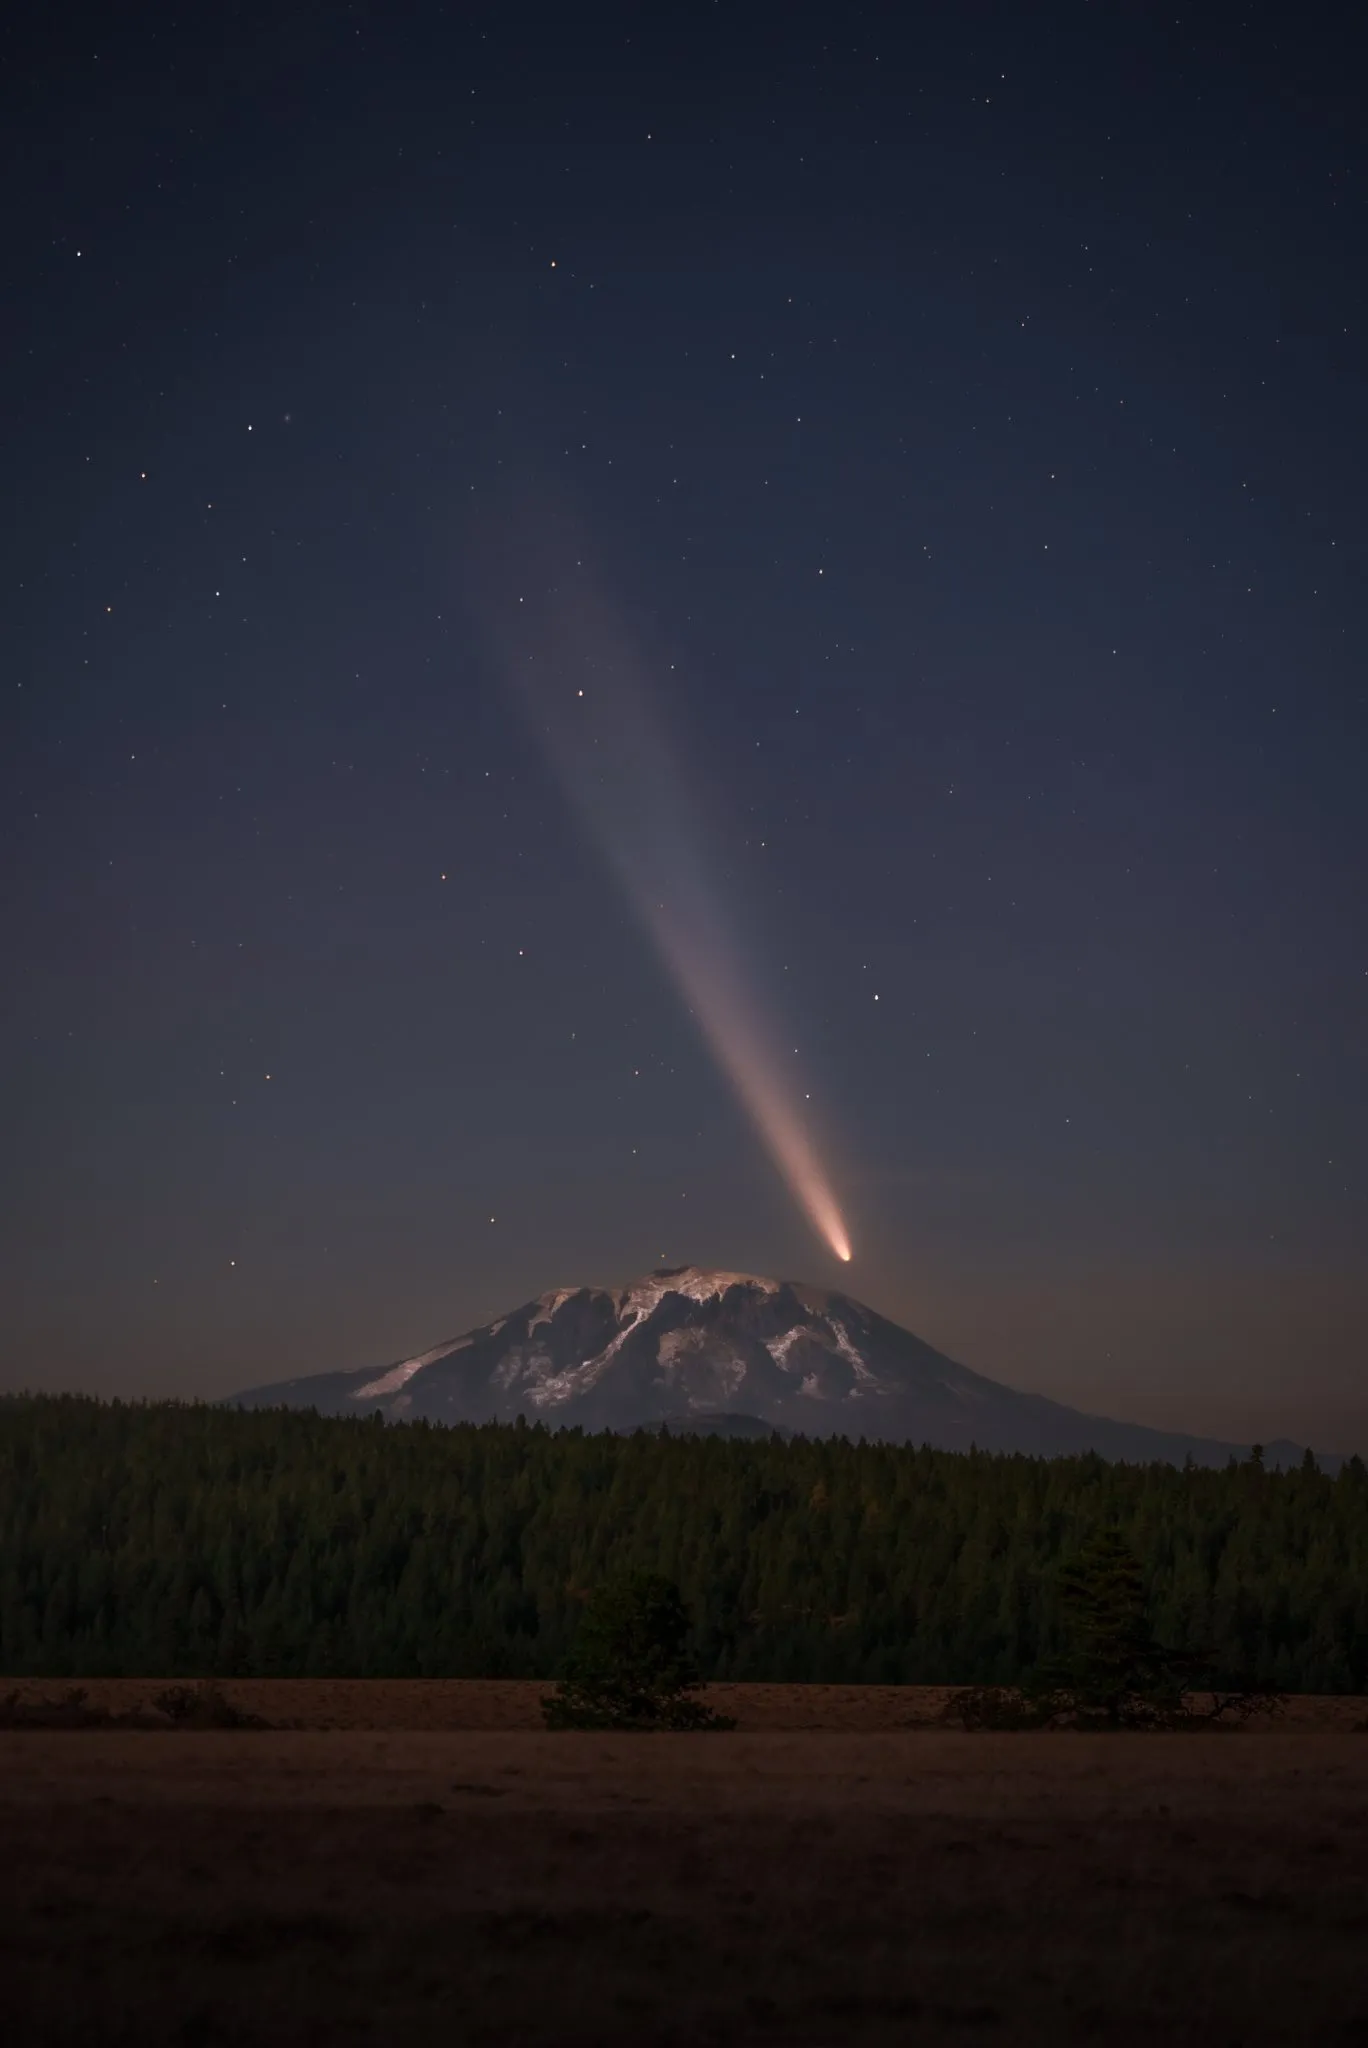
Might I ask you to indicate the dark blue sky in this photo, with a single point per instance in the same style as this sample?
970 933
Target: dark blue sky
967 417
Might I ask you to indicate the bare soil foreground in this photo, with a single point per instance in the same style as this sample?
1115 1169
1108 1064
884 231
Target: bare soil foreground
860 1881
509 1703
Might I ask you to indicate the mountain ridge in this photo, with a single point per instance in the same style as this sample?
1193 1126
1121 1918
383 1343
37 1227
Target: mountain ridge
720 1352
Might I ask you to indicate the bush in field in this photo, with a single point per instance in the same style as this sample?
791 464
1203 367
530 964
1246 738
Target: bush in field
629 1666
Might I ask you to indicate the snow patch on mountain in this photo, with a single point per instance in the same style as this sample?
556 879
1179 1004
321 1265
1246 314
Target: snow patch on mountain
391 1381
780 1347
593 1368
854 1358
712 1372
547 1307
695 1283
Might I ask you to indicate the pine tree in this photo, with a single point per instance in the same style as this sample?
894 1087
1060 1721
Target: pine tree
1114 1670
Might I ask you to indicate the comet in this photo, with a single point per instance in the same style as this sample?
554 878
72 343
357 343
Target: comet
584 687
697 958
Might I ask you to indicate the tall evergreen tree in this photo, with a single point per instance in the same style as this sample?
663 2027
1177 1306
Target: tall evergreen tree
1114 1668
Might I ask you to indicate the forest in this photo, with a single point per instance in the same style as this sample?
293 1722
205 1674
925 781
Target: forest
140 1539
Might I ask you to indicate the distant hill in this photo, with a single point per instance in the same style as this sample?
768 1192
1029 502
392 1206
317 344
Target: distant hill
736 1355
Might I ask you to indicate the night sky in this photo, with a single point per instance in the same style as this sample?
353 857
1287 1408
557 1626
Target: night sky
963 414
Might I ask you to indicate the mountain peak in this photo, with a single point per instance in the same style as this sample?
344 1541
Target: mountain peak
687 1346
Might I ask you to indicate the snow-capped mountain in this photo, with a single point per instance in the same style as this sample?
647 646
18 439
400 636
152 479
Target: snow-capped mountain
728 1353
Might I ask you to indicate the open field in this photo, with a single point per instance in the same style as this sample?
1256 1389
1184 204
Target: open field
491 1704
839 1885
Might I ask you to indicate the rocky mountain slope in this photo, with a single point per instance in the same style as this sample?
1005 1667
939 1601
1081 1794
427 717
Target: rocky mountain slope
728 1353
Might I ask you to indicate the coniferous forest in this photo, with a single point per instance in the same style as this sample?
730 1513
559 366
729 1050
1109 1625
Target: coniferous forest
169 1540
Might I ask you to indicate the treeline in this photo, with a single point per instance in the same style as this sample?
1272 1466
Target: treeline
188 1541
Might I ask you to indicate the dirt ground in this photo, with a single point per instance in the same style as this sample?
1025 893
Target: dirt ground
833 1879
509 1703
